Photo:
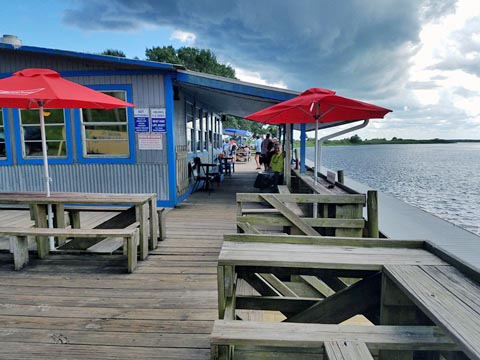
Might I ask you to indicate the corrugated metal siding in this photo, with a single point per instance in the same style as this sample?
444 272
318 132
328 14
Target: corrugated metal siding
149 174
108 178
148 91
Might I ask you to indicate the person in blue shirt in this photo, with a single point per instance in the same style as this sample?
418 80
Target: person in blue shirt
258 151
226 147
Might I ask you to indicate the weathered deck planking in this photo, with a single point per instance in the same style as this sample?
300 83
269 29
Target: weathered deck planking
87 307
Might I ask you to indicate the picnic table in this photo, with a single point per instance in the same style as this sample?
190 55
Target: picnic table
397 278
73 202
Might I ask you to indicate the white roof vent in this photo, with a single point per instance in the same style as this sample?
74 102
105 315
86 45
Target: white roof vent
12 40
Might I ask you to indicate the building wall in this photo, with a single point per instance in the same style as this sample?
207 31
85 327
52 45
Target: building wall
149 172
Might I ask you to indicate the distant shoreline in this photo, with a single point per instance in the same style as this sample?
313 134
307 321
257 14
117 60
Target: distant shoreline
358 141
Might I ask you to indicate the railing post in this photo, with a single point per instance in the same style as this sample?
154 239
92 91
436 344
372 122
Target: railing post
372 213
340 177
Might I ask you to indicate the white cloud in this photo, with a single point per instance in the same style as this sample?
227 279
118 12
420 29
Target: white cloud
256 78
183 36
422 60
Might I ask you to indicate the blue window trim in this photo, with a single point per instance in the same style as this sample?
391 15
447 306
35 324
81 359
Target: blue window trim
81 159
6 133
171 154
38 161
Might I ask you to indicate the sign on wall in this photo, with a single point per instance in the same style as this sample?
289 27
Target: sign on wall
159 120
150 141
142 120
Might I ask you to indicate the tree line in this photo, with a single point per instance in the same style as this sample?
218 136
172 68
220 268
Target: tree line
205 61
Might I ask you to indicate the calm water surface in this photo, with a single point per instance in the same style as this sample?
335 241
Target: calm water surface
443 179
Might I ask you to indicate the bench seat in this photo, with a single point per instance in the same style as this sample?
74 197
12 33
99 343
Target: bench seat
19 243
231 333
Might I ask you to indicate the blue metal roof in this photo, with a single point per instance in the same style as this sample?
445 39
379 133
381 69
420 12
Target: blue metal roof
222 94
87 56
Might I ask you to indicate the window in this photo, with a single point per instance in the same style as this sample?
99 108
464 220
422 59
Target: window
218 137
3 147
54 133
205 130
189 109
105 133
199 129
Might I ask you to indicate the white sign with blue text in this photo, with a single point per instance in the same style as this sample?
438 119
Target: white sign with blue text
159 120
141 120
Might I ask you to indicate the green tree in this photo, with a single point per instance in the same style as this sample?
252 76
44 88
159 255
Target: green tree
113 52
201 60
355 139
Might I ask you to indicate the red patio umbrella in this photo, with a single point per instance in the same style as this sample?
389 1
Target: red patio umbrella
45 88
318 105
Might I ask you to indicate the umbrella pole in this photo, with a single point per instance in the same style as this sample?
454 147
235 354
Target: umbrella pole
47 176
315 173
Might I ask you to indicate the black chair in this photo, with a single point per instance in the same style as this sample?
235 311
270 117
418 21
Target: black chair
204 175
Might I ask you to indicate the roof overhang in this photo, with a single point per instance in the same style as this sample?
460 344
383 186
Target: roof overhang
234 97
229 96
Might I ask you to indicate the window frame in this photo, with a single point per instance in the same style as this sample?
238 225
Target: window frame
190 117
68 159
6 132
80 138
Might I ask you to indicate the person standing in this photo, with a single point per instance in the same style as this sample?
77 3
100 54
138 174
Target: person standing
233 150
264 149
258 151
226 147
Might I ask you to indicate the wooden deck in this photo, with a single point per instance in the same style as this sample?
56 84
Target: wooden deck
87 307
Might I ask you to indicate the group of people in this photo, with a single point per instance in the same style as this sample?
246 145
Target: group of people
268 152
231 149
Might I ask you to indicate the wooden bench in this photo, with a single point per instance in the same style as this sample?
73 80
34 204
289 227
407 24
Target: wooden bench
332 257
19 241
339 341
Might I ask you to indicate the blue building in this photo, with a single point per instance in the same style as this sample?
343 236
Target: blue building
147 149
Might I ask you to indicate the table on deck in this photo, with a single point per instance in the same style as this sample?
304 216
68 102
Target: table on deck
208 174
238 258
450 298
145 208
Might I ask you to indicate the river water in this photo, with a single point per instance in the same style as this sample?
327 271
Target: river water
442 179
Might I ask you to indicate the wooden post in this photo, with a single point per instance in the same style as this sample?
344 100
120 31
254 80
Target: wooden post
288 156
221 291
74 216
396 309
19 247
59 221
162 230
154 219
372 213
40 215
141 213
340 177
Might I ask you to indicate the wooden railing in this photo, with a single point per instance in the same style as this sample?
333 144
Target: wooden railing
338 215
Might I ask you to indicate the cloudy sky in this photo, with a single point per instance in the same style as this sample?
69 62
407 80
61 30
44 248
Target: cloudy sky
420 58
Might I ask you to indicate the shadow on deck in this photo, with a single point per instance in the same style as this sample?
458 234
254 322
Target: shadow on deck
87 307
